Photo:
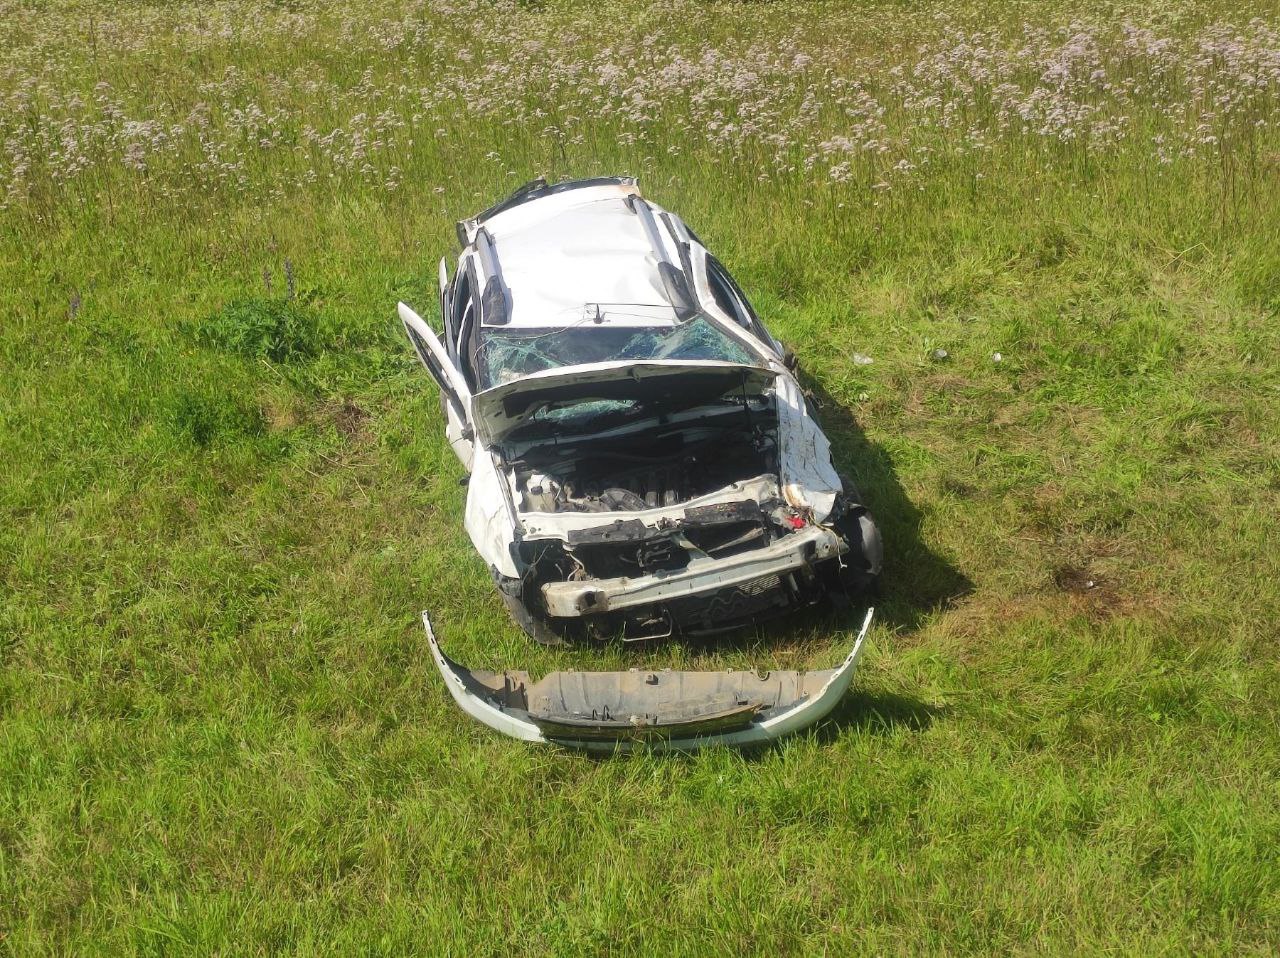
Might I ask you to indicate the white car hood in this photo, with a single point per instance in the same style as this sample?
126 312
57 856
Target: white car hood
669 385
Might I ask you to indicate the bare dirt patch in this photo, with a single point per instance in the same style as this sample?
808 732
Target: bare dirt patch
351 420
1076 579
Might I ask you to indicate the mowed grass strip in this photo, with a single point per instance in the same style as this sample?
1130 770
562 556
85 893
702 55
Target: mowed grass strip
226 493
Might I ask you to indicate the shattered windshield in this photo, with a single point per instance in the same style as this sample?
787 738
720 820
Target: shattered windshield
508 354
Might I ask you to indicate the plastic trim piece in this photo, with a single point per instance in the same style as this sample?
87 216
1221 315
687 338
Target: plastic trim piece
477 693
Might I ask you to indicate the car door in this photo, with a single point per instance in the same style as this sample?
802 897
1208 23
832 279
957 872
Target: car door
454 395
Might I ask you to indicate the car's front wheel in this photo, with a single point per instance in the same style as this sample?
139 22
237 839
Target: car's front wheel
860 566
532 624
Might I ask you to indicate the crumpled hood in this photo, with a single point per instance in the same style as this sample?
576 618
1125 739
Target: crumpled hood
668 386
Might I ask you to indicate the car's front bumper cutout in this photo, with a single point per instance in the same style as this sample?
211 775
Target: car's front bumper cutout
661 709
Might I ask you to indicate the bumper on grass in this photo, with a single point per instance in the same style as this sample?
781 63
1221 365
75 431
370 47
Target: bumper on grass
661 710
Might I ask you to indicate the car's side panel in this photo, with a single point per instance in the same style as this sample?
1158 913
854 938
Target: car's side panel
809 478
488 517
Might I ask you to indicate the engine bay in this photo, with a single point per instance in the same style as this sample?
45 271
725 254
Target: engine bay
704 487
654 469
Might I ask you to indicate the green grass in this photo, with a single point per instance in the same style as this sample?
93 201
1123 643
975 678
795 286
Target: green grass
226 494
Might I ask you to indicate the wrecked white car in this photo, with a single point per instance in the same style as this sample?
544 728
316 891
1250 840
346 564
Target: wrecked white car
643 464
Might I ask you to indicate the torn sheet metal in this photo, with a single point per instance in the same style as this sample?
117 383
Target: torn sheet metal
660 710
809 479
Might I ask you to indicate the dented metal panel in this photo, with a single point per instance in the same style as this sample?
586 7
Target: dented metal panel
809 479
488 517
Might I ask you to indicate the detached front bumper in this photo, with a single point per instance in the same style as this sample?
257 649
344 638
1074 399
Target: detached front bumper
663 710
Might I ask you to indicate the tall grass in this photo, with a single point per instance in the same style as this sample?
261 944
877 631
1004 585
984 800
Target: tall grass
225 490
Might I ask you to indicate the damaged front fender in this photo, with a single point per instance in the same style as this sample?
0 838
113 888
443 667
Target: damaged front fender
661 710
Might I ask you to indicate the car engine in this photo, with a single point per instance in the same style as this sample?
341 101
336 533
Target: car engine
633 473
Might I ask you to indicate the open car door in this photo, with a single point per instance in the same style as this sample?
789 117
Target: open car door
454 394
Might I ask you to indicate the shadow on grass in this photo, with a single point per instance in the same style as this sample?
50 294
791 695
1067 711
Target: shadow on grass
879 712
916 581
872 712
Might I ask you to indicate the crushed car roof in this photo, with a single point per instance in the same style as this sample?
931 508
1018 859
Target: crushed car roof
563 252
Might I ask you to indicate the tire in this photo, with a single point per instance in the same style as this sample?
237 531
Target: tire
861 565
534 626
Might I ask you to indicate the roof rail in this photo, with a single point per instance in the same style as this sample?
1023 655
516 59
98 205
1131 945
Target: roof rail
682 244
637 205
493 301
675 278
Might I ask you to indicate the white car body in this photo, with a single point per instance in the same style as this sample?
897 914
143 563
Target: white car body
642 460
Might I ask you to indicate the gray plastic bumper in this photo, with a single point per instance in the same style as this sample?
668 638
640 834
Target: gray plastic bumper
684 711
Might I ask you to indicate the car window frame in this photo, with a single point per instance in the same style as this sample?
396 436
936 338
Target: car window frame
743 314
460 293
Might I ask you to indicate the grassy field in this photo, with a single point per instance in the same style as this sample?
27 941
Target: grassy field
225 492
